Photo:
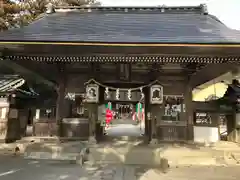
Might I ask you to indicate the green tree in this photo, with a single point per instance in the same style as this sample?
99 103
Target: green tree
8 11
14 14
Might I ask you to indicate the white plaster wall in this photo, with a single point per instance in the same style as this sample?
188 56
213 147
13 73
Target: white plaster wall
205 134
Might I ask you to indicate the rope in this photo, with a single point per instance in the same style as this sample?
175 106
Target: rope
123 89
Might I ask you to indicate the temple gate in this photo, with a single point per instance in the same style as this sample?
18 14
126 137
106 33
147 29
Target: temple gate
131 57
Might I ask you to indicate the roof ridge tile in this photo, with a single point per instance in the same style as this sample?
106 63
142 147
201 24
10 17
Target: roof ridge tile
134 9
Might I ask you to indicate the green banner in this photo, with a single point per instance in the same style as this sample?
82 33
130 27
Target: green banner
138 107
109 105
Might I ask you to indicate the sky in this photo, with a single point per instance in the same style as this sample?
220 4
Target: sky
227 11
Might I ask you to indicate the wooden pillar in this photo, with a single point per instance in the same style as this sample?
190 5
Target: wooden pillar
237 127
93 118
233 127
189 112
99 129
61 91
155 114
147 116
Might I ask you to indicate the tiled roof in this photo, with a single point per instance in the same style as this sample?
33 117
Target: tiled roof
172 25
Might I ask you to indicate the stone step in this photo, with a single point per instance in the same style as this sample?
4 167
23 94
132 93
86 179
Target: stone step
226 145
48 139
120 121
149 156
112 139
55 147
51 155
236 156
65 151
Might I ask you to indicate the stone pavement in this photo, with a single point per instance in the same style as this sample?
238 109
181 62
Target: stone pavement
41 149
18 168
129 172
129 153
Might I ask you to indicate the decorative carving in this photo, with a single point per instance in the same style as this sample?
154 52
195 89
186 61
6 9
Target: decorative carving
156 94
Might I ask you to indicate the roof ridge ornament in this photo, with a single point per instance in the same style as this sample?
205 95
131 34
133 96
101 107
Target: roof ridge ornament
50 8
204 9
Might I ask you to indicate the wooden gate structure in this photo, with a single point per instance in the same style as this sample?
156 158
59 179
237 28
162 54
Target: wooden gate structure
177 48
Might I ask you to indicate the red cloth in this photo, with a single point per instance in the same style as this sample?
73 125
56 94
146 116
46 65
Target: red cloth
109 116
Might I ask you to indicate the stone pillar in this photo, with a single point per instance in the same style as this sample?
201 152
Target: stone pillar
189 112
93 117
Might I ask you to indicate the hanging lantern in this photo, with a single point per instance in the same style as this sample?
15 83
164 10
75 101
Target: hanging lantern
92 93
156 94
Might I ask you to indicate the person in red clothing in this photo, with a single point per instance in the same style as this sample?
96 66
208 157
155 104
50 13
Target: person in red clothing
109 117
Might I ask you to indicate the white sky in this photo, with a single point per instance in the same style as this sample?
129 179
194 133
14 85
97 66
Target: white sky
227 11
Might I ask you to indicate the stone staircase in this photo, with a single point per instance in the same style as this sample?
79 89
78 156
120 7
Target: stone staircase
47 148
123 121
70 151
231 151
138 153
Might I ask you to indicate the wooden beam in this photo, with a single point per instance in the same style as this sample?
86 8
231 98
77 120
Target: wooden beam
27 73
210 72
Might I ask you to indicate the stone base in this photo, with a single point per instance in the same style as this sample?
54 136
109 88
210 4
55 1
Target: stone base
154 141
92 140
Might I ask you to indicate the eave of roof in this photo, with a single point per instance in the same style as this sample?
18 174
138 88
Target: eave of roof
126 26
